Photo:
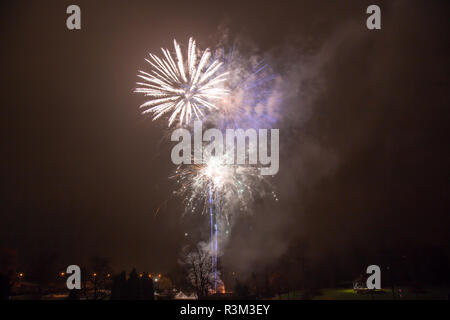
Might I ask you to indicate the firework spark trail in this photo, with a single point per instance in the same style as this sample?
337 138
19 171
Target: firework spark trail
211 229
184 88
216 231
216 185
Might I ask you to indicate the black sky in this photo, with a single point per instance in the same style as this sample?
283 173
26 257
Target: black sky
364 134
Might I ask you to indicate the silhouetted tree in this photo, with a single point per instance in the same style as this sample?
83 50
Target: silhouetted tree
8 265
5 286
135 288
133 285
147 288
241 289
199 268
254 287
101 267
119 289
45 271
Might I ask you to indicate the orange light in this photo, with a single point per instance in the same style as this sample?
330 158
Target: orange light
150 275
159 275
94 274
20 275
108 275
140 275
62 274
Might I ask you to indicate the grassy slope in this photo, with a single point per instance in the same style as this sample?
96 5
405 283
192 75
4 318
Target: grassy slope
386 294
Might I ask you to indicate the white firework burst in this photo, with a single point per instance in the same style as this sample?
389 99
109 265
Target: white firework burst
184 88
230 187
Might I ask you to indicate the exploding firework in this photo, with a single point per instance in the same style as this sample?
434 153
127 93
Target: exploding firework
229 186
219 189
186 88
229 93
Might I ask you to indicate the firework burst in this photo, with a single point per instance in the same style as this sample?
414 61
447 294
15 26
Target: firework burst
184 88
228 186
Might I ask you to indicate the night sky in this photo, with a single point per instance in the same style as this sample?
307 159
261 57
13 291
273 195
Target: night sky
363 131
